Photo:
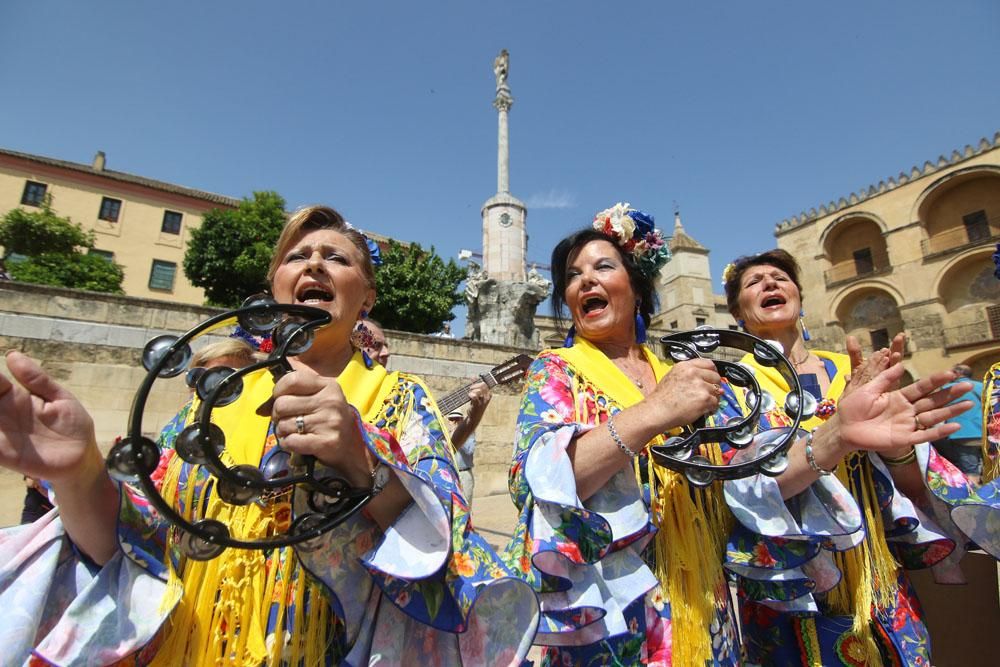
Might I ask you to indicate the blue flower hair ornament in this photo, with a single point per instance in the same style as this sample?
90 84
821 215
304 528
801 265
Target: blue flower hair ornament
996 263
635 232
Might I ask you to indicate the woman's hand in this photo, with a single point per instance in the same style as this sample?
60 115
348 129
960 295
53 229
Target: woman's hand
877 418
688 392
44 431
864 370
312 417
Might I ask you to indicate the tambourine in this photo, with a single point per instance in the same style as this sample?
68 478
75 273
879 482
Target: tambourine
133 459
758 451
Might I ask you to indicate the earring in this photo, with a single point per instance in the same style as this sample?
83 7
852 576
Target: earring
742 324
363 315
802 323
640 327
570 335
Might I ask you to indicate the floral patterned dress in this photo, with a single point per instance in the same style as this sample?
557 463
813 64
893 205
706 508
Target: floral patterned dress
796 590
428 590
593 562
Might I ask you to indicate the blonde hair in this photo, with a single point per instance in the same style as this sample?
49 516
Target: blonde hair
231 347
320 217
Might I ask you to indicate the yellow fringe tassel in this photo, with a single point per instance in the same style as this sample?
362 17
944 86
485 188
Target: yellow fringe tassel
869 571
991 424
692 526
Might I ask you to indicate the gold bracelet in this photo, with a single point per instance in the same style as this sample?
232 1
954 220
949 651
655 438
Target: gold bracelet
903 460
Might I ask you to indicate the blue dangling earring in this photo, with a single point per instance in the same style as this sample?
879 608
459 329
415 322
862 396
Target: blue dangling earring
742 324
805 332
640 327
570 335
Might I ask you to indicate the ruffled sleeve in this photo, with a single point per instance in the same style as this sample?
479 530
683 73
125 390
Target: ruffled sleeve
445 590
780 550
583 558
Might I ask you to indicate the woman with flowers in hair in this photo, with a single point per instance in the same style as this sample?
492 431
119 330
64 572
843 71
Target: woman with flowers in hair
807 599
405 581
627 556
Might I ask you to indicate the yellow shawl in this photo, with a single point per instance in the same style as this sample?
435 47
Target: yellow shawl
692 522
224 604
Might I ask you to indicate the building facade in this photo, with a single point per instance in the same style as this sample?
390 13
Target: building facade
140 223
912 253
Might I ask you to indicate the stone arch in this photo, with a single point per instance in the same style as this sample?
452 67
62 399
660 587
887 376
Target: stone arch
980 362
968 280
960 208
871 314
855 246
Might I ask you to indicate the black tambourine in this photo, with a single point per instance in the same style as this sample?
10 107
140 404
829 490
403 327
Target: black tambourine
133 459
757 451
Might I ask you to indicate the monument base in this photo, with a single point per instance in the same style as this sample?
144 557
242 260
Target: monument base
503 312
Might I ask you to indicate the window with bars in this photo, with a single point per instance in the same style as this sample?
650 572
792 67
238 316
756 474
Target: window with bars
171 222
110 209
161 275
103 254
34 193
993 317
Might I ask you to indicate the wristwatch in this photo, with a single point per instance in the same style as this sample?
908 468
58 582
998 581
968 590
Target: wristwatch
380 477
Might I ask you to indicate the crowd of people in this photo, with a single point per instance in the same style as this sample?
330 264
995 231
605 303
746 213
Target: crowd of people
614 560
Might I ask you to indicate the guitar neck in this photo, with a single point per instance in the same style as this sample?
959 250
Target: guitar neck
460 397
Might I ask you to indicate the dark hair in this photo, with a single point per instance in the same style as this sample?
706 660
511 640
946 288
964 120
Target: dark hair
642 285
777 258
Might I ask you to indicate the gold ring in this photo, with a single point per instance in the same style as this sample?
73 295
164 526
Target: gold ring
300 425
917 424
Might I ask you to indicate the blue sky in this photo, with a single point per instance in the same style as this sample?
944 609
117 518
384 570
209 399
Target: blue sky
744 113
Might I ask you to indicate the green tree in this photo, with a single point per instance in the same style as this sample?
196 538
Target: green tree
416 289
51 249
229 255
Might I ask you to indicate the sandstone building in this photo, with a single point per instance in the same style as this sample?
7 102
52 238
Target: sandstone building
911 253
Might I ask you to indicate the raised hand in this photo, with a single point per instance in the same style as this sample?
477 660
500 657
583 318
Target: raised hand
875 417
45 432
312 416
688 392
864 370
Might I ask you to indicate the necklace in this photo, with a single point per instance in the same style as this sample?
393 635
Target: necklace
636 381
800 361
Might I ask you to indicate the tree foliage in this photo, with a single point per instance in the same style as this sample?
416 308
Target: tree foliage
416 289
51 246
229 254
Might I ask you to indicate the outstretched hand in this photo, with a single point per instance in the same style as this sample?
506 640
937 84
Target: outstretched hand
877 417
864 370
45 432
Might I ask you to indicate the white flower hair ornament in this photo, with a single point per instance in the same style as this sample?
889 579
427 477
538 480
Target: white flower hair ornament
636 234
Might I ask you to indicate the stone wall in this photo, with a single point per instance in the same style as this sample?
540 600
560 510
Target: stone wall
91 343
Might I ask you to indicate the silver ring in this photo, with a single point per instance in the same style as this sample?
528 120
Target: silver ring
300 425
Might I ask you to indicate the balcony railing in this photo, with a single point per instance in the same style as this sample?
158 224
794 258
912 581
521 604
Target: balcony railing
969 334
960 238
852 269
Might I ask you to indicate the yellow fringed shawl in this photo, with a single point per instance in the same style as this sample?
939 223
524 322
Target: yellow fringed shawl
991 417
692 522
869 570
225 603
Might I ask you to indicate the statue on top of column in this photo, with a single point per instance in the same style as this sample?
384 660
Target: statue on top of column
500 65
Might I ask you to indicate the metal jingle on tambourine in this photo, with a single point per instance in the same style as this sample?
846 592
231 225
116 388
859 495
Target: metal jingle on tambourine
677 447
741 437
296 331
196 547
260 322
244 491
775 465
157 348
737 375
328 491
308 525
805 410
679 351
699 476
129 460
809 405
215 376
189 446
705 341
767 402
765 354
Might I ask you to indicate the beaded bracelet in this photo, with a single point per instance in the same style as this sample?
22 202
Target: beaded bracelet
903 460
811 458
618 441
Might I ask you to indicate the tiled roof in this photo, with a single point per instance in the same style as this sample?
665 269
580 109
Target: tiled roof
126 178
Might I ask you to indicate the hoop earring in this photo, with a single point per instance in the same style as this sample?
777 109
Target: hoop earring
802 323
570 336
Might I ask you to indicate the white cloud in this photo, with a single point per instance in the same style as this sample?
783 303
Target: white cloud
551 199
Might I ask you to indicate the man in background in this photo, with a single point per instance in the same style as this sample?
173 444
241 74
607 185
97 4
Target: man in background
964 447
463 434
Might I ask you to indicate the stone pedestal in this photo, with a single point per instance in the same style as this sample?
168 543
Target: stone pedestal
503 311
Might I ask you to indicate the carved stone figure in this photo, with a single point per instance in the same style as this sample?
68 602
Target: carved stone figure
500 65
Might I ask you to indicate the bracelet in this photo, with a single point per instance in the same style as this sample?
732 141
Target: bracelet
618 440
811 458
903 460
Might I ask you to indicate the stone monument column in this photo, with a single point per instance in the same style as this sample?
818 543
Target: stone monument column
502 298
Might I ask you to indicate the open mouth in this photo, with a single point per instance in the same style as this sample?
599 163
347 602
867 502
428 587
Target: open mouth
313 294
772 301
594 304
